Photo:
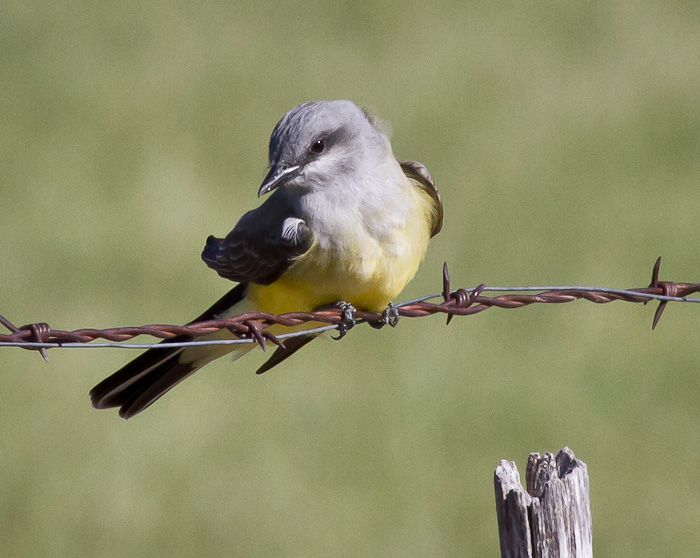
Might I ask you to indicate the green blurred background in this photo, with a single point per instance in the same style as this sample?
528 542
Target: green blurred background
565 140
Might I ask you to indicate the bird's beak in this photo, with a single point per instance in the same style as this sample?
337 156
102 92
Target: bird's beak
278 176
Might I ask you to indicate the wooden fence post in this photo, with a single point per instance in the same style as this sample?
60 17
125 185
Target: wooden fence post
553 518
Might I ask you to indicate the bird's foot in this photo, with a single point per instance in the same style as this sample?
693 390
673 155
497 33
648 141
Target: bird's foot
390 317
347 319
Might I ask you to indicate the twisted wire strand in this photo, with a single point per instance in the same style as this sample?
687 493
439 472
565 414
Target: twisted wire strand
252 327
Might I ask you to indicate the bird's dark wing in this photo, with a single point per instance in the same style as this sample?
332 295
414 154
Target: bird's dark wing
262 246
291 346
419 174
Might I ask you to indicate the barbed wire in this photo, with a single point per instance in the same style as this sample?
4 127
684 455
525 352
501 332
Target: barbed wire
253 327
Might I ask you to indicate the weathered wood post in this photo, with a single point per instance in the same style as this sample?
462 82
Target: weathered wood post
553 518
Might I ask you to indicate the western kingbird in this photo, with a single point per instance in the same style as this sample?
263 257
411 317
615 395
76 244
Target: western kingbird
347 222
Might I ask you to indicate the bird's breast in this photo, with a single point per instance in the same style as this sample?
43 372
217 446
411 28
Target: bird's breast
362 254
355 267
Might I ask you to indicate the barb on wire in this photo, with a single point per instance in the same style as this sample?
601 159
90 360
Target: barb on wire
253 327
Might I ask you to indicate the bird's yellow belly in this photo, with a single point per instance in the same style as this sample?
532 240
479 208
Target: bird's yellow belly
364 266
368 279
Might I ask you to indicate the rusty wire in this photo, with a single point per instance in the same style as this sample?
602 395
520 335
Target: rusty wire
252 327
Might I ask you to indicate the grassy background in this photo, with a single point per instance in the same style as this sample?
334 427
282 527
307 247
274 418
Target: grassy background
565 139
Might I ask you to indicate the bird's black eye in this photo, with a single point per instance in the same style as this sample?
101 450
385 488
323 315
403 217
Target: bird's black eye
318 146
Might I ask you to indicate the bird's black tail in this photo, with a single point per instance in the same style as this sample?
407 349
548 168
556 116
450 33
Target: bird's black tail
149 376
138 384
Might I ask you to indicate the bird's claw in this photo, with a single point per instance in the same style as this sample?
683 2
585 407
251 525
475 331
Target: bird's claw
347 319
390 316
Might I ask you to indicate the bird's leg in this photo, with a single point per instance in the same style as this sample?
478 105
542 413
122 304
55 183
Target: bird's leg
390 316
347 320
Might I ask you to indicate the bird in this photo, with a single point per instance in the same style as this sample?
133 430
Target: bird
344 222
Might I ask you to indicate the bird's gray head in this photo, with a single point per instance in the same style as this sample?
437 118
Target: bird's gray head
315 144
